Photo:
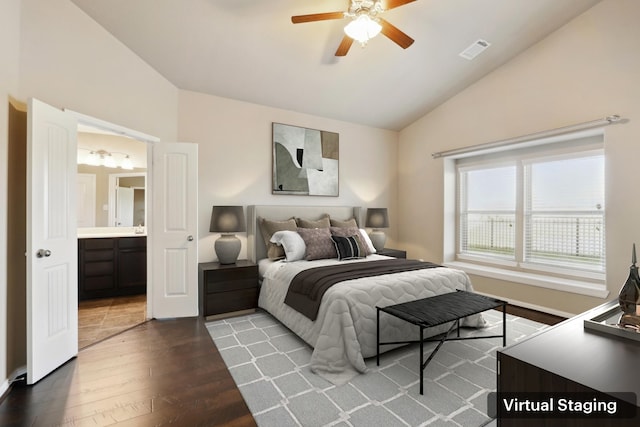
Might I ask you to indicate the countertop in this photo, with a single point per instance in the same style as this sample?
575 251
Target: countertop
107 232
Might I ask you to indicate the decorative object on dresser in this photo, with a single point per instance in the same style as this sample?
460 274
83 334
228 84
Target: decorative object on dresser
396 253
305 161
629 296
377 218
227 220
226 290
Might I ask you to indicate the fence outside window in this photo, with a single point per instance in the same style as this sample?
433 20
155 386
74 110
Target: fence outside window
573 239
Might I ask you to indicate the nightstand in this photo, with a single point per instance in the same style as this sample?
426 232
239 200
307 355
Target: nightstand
227 289
396 253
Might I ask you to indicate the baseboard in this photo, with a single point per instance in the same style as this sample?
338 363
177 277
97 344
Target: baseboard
530 306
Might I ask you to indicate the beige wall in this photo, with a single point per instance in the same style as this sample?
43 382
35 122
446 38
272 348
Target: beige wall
9 67
17 237
586 70
54 52
69 61
235 160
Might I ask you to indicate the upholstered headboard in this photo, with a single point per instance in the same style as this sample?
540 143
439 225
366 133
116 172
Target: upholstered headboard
256 247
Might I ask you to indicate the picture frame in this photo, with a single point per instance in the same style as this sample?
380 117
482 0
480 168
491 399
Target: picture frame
305 161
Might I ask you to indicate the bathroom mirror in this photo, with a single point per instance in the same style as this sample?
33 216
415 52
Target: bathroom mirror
111 180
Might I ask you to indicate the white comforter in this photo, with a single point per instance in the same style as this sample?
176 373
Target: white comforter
344 333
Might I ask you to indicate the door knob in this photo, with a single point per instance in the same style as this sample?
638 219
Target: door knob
43 253
190 238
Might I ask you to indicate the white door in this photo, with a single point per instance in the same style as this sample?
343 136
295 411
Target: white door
52 251
86 200
174 230
124 206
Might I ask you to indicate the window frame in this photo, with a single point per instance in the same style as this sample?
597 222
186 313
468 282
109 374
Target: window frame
586 282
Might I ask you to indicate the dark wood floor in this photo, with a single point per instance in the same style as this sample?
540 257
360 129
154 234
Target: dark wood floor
536 316
165 372
159 373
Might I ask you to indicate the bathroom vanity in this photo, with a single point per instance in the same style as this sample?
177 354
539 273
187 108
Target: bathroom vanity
111 263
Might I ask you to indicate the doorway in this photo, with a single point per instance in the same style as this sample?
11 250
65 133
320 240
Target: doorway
115 167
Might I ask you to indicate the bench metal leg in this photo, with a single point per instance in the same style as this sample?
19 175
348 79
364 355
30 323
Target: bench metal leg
504 325
433 353
421 358
377 336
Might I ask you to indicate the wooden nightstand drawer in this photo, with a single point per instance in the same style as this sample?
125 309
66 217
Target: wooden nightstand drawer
212 286
218 280
225 302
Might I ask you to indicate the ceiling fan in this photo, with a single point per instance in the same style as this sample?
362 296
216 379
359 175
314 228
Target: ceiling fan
365 23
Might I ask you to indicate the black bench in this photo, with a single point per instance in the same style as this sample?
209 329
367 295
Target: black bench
438 310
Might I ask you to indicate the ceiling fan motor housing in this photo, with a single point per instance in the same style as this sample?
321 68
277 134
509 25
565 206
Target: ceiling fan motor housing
362 7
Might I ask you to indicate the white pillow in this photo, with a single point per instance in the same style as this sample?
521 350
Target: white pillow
292 243
367 240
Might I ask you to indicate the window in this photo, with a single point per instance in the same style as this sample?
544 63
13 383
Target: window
534 209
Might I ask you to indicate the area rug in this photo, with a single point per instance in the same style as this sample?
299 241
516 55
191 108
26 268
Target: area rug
270 365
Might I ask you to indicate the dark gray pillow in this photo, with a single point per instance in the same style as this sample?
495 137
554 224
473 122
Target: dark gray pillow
348 247
351 231
318 242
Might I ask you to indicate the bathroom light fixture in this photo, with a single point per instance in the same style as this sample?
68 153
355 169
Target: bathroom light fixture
104 158
126 163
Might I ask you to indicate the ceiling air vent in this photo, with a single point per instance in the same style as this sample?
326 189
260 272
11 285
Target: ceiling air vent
475 49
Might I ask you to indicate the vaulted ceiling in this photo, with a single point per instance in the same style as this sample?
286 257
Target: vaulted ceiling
250 51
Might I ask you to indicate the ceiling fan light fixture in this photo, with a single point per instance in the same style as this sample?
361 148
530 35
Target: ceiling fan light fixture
362 28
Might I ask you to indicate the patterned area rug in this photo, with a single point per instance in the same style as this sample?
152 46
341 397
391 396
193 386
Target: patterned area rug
270 365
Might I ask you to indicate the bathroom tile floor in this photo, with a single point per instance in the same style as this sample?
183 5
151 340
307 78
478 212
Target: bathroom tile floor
102 318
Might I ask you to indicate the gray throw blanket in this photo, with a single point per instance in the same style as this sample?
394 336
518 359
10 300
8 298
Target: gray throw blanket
307 287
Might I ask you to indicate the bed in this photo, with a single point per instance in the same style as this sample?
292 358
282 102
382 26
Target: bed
343 333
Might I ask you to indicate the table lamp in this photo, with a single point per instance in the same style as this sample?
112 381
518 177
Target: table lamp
377 218
227 220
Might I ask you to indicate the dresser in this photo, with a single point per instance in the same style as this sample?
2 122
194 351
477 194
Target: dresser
227 289
568 359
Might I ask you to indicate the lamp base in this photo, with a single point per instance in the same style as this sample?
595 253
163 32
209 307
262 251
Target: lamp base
227 248
378 239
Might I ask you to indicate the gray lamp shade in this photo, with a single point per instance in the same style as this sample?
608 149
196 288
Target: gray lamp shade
227 220
377 218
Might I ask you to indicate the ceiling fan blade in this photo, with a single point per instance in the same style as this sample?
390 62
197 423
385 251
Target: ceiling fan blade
345 44
393 33
392 4
299 19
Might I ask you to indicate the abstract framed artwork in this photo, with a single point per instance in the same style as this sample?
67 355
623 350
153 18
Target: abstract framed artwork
305 161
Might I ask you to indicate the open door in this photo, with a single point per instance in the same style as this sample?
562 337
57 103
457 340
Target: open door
52 248
174 230
124 207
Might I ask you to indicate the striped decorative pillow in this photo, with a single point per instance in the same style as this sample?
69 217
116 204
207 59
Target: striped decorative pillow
348 247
